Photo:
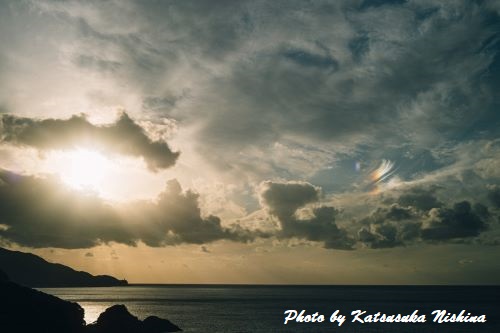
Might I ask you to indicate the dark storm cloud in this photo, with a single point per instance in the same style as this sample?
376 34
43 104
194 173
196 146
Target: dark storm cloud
394 212
284 199
383 236
39 212
390 226
175 218
422 199
124 137
459 221
494 196
419 215
413 215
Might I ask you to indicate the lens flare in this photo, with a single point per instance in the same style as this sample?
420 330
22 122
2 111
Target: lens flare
380 175
384 171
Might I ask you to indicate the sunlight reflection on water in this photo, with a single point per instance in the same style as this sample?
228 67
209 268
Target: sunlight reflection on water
93 310
259 309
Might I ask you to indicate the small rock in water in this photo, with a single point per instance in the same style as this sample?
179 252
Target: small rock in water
117 319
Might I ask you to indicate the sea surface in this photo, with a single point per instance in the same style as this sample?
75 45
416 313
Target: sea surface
256 309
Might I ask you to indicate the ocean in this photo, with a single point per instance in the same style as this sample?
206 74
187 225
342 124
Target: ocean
259 309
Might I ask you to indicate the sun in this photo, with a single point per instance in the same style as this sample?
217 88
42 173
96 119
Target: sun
85 169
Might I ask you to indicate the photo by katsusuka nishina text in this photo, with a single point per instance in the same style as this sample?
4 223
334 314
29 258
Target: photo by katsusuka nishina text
360 316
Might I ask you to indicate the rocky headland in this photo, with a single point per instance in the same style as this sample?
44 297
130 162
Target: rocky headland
25 310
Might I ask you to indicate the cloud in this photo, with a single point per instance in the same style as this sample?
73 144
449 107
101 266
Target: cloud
321 79
421 199
357 82
408 215
389 226
175 218
93 62
282 200
465 261
462 220
307 59
418 215
123 137
40 212
494 195
269 93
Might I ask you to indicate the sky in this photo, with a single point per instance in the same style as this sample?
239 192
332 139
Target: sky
275 142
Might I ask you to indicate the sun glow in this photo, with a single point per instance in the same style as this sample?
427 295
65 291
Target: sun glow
86 169
112 177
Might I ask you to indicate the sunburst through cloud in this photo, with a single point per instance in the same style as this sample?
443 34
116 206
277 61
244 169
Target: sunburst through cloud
85 169
302 142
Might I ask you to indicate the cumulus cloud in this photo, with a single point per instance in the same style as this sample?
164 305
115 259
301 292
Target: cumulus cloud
123 137
421 199
39 212
175 218
389 226
462 220
282 200
407 216
418 215
272 91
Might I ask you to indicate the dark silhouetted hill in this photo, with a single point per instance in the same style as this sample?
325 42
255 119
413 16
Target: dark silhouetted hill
25 310
30 270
